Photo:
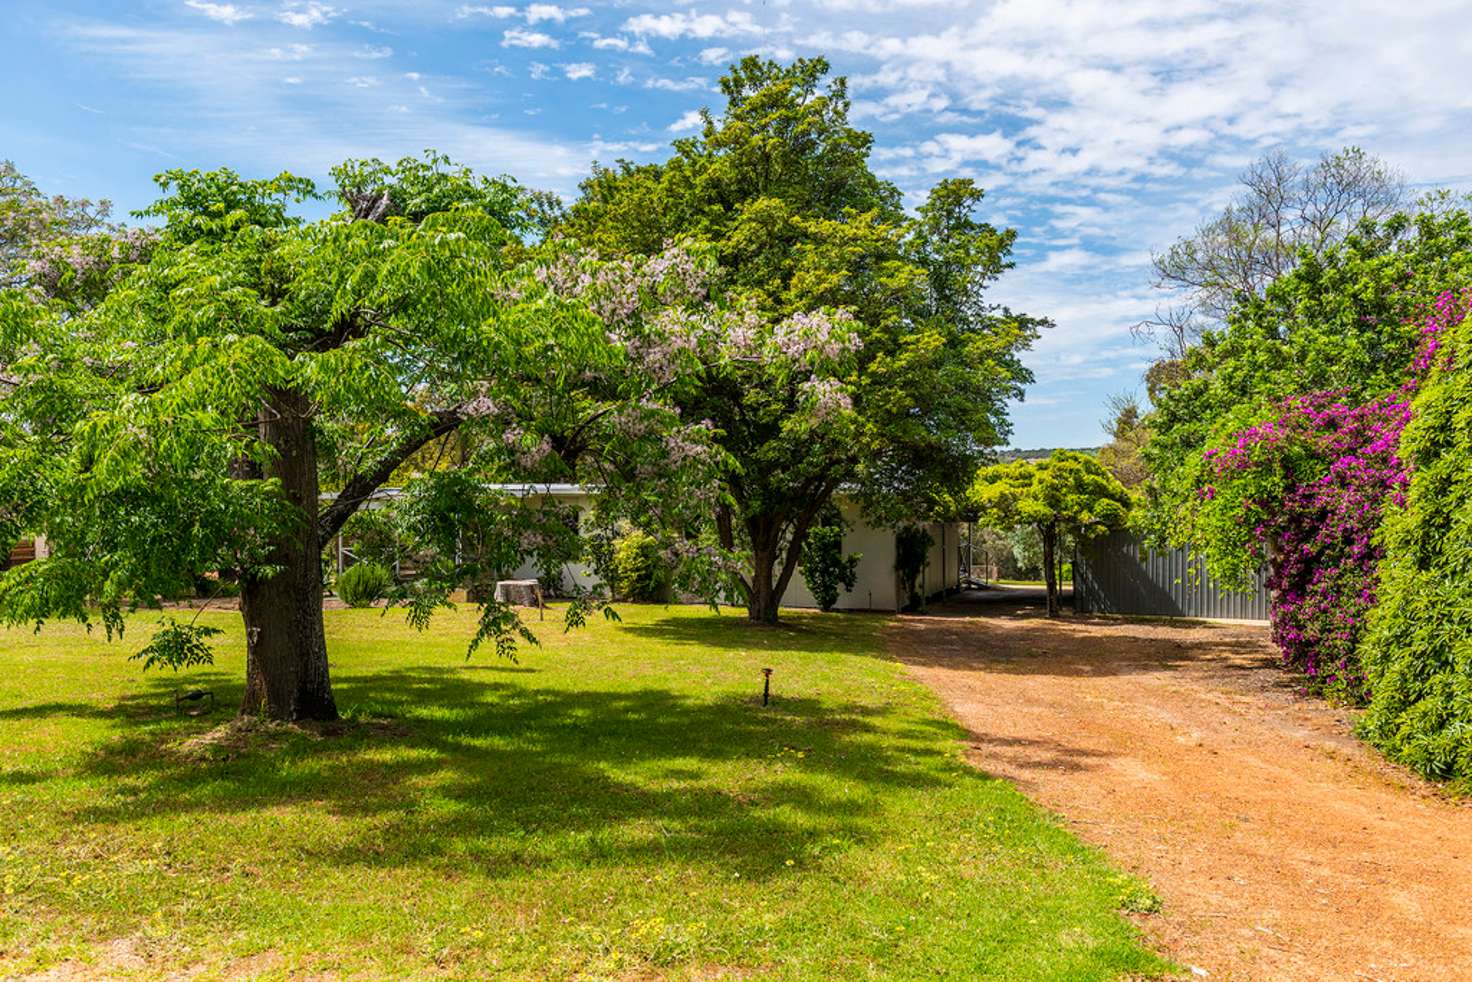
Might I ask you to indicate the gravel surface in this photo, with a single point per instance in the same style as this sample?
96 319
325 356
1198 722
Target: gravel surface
1281 847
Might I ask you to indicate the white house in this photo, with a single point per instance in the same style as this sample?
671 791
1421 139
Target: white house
878 586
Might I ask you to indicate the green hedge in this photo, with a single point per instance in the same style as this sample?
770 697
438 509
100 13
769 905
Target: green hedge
1417 648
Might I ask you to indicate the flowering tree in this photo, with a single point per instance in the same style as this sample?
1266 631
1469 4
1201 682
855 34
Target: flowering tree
1344 320
856 349
1303 492
32 223
181 425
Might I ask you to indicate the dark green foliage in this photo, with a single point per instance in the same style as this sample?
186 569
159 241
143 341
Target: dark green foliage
1342 321
825 568
640 571
911 552
364 584
1417 649
177 646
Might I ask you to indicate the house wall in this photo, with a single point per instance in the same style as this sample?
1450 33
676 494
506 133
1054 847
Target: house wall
876 586
943 562
573 574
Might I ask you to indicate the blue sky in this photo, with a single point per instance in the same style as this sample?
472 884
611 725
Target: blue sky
1101 130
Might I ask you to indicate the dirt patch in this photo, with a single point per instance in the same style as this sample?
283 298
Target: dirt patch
1282 847
245 734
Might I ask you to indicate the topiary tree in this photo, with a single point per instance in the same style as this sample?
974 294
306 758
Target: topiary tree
1417 647
1068 492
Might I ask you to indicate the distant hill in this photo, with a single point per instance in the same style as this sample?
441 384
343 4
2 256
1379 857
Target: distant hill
1038 454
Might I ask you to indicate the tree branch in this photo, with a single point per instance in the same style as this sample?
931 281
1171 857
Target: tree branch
362 485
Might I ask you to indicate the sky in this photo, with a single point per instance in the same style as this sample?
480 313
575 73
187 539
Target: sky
1102 131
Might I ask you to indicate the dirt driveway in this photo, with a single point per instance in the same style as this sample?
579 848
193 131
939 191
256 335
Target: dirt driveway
1281 847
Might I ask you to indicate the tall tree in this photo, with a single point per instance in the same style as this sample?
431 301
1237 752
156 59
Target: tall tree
1283 209
181 425
905 376
1067 493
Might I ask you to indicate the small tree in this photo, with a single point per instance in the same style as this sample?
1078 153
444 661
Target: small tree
1069 492
824 567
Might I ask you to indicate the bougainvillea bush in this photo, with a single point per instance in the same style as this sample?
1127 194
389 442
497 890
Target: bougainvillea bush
1417 647
1304 490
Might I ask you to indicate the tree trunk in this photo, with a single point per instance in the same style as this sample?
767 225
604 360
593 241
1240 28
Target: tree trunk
768 581
1050 571
286 650
762 598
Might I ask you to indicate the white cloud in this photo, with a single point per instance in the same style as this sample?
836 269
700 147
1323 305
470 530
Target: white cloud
372 52
687 24
500 12
638 46
537 12
713 56
225 13
690 84
519 38
292 52
306 15
580 70
686 123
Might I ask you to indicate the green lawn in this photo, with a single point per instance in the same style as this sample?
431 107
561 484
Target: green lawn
617 805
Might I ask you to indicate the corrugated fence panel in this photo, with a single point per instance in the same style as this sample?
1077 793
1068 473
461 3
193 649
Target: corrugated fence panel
1116 574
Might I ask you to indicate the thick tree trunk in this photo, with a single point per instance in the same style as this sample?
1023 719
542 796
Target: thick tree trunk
1050 571
762 599
286 650
773 566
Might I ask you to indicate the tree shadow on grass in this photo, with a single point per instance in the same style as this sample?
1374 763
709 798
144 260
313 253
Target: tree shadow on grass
505 777
807 632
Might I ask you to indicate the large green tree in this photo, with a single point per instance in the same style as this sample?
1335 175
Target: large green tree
183 424
1067 493
915 365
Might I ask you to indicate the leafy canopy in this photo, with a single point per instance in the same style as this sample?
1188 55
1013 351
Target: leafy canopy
134 433
1068 491
906 369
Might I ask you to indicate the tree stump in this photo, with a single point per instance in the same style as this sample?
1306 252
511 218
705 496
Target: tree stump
521 593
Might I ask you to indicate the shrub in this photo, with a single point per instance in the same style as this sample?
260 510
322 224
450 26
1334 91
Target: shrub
824 567
638 569
911 552
1417 647
363 584
1305 491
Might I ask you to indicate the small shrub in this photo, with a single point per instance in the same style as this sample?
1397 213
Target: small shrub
825 568
363 584
911 552
639 571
